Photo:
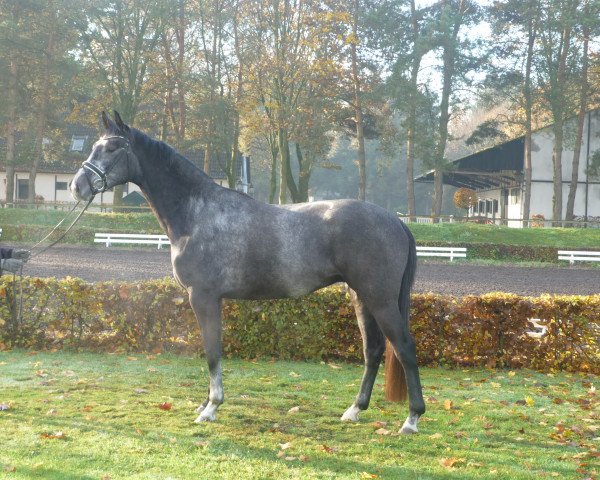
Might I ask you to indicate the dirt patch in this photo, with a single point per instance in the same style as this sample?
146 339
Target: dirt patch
95 264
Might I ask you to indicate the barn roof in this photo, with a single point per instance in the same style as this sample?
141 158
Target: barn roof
495 167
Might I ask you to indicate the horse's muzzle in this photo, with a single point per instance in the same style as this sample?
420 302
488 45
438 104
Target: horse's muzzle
79 186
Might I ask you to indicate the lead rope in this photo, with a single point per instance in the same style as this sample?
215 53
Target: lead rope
35 254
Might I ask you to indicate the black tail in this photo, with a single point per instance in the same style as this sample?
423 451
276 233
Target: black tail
395 379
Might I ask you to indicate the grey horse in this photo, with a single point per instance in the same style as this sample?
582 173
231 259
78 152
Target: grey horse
225 244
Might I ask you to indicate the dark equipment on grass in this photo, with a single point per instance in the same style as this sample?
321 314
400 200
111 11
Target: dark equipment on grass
224 244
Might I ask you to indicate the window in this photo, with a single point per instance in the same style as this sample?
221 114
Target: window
494 206
22 189
482 207
513 198
62 185
78 142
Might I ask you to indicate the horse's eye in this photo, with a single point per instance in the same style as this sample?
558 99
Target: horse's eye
111 148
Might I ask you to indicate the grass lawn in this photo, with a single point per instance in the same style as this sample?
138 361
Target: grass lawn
535 237
446 232
93 416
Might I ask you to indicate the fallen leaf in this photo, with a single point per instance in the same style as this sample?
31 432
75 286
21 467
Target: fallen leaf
10 469
380 424
52 436
285 446
529 401
449 463
435 436
328 449
382 431
201 444
368 475
448 405
294 410
165 406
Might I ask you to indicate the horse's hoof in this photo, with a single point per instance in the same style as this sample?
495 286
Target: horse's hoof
200 408
408 431
205 418
351 415
410 425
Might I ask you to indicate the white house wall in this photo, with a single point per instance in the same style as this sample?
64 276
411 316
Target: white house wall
45 186
542 189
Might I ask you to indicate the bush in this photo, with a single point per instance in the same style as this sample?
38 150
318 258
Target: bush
154 316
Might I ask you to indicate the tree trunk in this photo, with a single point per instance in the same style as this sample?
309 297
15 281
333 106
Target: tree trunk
274 154
181 87
362 173
305 169
412 115
569 215
449 61
11 126
42 116
284 155
238 100
528 127
557 199
558 110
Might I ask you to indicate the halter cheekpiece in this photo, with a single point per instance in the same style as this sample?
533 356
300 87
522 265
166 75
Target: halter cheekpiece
96 177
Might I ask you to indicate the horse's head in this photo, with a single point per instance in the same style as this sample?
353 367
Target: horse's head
110 163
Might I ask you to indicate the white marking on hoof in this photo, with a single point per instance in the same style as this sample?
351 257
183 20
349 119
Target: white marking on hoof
209 414
351 415
410 425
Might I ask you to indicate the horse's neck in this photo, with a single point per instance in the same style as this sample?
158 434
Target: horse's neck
170 186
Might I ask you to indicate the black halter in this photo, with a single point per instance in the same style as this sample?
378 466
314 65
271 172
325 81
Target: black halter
97 179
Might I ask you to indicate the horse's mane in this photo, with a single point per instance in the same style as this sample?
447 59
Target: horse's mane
171 158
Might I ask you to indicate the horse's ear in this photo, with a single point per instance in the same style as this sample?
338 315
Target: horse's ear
106 121
120 123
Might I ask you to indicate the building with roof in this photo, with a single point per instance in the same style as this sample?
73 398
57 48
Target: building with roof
496 174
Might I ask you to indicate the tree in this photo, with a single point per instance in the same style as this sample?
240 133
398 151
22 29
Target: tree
556 38
588 19
453 15
119 40
294 82
360 137
465 198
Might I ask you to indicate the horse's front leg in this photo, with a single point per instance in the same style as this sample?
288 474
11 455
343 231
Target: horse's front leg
208 313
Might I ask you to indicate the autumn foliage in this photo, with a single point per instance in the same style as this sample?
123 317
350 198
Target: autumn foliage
465 198
489 330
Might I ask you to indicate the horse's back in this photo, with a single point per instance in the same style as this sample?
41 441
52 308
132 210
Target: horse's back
370 246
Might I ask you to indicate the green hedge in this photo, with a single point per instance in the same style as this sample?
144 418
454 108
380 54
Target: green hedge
154 316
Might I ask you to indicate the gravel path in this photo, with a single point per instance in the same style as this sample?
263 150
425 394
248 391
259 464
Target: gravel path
99 263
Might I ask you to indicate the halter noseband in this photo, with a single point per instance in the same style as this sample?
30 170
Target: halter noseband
99 184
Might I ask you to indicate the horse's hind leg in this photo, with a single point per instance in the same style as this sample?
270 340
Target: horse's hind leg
208 313
373 348
394 325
